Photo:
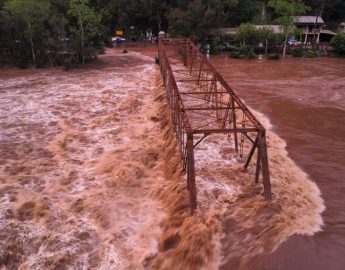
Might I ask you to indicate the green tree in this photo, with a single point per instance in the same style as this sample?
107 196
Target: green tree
33 13
194 19
287 10
88 22
266 34
242 11
188 20
247 35
155 12
263 12
338 43
333 10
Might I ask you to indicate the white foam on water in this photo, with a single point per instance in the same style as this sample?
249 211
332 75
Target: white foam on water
58 131
81 164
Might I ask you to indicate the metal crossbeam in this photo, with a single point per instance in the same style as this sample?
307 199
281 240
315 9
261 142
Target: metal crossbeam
187 72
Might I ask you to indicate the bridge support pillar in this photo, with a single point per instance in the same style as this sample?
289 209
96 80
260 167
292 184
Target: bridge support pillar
264 166
191 172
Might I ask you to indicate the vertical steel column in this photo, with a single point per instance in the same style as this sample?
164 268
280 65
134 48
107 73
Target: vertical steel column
252 150
191 172
200 67
264 166
234 124
192 62
258 166
186 61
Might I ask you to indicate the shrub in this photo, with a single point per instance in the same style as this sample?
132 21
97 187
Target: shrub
310 54
297 52
274 56
41 60
214 50
243 52
102 50
22 56
338 43
90 53
235 54
22 61
69 62
250 54
233 48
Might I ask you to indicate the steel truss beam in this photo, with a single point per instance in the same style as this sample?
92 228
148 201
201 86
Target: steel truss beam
190 78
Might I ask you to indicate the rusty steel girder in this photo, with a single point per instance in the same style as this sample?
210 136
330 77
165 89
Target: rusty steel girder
202 103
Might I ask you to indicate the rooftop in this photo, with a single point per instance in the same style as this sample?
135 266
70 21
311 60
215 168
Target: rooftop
224 31
327 32
309 20
274 28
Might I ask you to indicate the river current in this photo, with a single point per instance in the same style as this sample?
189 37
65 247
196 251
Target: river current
90 177
305 102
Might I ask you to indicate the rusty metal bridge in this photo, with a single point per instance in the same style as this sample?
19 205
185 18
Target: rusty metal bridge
202 103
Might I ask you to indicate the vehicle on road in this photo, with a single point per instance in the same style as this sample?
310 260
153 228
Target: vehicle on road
117 40
294 42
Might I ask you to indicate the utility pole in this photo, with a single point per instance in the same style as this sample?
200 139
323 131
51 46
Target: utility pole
318 15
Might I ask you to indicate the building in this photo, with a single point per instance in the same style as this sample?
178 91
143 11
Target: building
341 28
311 26
223 32
277 29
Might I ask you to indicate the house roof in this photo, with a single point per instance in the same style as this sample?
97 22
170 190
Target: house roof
327 32
309 20
224 31
233 31
274 28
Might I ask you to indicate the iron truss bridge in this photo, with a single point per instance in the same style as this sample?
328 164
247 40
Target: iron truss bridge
202 103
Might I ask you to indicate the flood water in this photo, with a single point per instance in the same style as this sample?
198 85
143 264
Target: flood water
305 102
90 176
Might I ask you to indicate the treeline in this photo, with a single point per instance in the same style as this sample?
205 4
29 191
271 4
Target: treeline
49 32
67 32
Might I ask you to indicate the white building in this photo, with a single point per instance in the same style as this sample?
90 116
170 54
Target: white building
310 25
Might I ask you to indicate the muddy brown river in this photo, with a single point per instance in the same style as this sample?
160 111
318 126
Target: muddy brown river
90 176
305 102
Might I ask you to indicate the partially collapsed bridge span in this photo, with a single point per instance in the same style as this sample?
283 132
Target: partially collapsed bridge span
202 103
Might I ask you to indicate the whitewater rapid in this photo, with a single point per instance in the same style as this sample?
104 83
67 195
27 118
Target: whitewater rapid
91 178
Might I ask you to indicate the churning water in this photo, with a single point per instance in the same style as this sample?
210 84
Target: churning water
305 101
90 178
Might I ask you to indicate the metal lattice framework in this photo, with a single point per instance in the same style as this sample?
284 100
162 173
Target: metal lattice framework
202 103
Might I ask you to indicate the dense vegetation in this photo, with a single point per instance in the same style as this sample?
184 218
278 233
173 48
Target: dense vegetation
55 32
338 42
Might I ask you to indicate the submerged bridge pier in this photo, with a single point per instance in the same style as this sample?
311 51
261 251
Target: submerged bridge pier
201 103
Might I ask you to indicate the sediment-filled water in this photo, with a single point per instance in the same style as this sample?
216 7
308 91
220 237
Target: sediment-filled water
91 178
76 167
305 102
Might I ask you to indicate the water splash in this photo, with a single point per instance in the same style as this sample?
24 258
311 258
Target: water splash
91 178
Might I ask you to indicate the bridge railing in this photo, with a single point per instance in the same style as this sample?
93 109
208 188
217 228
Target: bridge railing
176 107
